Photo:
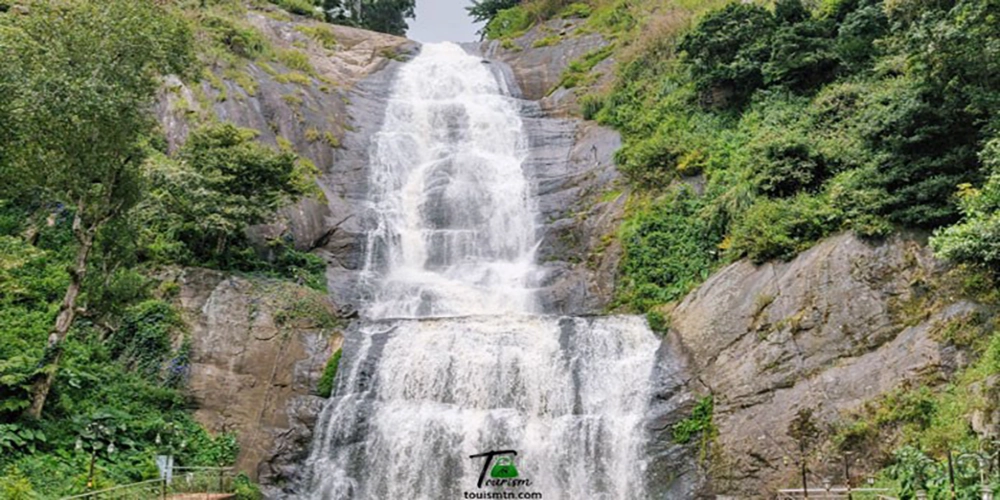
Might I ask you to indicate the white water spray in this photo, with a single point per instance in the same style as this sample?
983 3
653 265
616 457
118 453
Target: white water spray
451 359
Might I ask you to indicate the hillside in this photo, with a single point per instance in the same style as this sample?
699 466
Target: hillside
801 198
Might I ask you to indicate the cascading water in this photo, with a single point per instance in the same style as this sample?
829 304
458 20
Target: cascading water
452 358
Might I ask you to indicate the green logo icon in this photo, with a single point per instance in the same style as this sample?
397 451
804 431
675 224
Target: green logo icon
504 469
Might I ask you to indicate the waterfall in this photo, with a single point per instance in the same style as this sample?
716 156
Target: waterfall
452 357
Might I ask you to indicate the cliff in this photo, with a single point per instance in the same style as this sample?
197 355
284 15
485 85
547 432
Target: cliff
258 346
832 330
838 327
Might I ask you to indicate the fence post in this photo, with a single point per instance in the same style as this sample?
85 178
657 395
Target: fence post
163 488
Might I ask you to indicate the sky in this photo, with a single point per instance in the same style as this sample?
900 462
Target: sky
442 20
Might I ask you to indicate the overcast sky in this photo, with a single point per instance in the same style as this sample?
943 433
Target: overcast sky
442 20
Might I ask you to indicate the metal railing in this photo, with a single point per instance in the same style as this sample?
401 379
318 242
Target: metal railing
186 480
838 493
143 490
202 480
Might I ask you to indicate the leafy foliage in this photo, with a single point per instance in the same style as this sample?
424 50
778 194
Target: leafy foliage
781 228
82 174
507 23
386 16
486 10
976 239
861 115
698 423
728 49
665 254
325 386
200 207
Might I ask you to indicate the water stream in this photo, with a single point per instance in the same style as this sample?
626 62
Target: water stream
453 356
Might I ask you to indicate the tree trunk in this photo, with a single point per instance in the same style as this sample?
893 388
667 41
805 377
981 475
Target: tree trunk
805 483
64 320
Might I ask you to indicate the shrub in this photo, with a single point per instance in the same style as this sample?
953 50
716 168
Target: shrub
14 485
590 105
199 209
658 323
576 10
244 41
668 247
924 149
508 23
322 34
779 229
295 61
727 50
789 166
803 55
976 239
698 423
245 489
144 339
300 7
486 10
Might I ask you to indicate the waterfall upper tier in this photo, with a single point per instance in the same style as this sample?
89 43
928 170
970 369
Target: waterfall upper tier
453 223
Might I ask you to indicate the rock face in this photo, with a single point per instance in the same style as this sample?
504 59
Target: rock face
843 323
539 62
254 365
580 196
258 349
310 116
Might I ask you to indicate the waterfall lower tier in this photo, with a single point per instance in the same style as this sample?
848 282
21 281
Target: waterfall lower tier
418 397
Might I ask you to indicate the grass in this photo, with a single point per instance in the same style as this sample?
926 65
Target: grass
321 34
325 386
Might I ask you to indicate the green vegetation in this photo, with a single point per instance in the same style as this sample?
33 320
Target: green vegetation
321 34
93 352
912 429
579 71
753 130
658 322
325 386
793 123
667 250
386 16
976 239
699 423
200 204
300 7
506 19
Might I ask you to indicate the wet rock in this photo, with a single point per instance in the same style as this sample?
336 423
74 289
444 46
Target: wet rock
580 196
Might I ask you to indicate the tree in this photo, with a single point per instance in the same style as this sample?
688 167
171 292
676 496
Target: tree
727 50
976 239
198 209
486 10
80 79
803 52
804 431
386 16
